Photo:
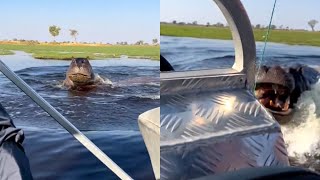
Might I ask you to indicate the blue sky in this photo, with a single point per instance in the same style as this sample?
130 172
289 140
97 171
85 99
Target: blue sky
292 13
96 20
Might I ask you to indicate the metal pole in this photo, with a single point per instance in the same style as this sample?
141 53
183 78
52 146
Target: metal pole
63 121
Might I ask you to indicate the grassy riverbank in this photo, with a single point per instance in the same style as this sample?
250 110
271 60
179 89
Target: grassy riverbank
5 52
65 52
280 36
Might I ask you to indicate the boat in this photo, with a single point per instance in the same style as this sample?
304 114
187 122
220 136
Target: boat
211 125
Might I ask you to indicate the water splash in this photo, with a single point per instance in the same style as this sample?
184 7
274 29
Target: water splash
153 97
302 134
103 80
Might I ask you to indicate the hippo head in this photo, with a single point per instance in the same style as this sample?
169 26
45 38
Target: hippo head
274 89
80 71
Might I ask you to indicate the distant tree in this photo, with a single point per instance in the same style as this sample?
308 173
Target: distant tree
174 22
181 23
273 26
74 33
154 41
258 26
139 42
219 24
15 39
195 23
54 31
208 24
312 23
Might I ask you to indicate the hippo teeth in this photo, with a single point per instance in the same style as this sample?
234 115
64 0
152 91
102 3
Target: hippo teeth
286 105
284 108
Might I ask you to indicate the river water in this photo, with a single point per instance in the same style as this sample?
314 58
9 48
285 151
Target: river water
107 114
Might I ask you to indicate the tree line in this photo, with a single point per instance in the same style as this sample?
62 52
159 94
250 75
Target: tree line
55 31
312 23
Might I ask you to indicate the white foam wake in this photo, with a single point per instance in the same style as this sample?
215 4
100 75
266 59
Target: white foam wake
153 97
302 134
103 80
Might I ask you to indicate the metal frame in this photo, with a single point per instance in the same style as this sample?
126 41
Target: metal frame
245 51
210 121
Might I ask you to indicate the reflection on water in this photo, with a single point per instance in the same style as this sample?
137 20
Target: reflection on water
23 60
109 112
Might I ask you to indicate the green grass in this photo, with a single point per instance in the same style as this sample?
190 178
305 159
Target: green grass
5 52
279 36
94 52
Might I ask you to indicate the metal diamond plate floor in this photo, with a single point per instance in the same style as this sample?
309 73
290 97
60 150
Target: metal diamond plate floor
211 132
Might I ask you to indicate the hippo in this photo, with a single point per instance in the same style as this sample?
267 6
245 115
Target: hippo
278 89
79 74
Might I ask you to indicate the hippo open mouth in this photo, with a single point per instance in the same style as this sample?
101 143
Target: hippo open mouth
278 89
276 98
274 90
